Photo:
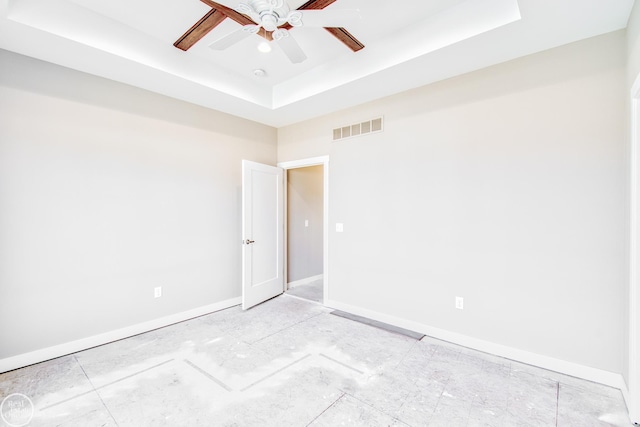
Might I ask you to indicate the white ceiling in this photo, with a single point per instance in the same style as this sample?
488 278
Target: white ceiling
408 44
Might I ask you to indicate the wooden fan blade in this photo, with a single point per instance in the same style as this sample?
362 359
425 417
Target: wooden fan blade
340 33
208 22
238 17
347 38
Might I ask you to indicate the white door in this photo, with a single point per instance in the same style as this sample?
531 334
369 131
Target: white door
262 233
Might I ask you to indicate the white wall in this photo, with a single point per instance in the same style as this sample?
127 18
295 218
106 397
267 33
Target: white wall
633 44
304 203
631 371
506 186
106 192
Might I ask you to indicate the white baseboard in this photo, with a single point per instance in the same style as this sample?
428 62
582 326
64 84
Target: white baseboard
580 371
304 281
26 359
562 366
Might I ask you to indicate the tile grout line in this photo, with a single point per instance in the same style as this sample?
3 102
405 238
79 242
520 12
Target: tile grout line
95 390
341 363
285 328
275 373
416 378
326 409
208 375
444 389
133 375
374 408
102 386
68 399
469 414
414 345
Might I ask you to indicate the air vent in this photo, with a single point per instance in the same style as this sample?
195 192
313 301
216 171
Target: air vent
358 129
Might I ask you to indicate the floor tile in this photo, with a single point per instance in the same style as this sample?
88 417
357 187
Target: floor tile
352 343
265 319
168 395
348 411
421 402
451 411
385 392
84 410
311 291
289 398
577 406
60 393
289 362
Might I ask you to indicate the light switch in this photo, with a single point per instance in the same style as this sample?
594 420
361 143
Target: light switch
339 227
306 222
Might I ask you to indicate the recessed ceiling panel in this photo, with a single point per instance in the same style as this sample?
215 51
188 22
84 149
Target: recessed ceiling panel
406 44
165 20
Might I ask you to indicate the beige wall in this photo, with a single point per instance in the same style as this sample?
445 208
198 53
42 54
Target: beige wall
108 191
304 203
506 186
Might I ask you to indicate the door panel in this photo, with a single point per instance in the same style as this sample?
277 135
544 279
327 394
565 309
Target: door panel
263 233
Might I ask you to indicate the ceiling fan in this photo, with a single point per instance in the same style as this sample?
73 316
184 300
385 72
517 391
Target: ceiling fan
272 19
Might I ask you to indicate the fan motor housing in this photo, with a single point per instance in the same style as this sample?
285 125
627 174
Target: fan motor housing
273 13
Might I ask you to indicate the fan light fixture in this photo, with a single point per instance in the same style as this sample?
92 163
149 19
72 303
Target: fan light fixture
264 47
275 17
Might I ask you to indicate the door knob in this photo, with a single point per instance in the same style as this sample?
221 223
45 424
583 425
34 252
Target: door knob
248 242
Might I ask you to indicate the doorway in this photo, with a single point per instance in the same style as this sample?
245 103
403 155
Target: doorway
306 228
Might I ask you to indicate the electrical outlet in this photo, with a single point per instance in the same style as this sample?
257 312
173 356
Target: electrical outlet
157 292
460 303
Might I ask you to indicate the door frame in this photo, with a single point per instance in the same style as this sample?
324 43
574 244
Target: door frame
633 398
303 163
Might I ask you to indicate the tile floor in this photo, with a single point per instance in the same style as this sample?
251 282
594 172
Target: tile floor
289 362
311 291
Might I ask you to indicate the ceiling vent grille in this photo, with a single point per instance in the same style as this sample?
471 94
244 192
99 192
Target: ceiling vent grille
358 129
